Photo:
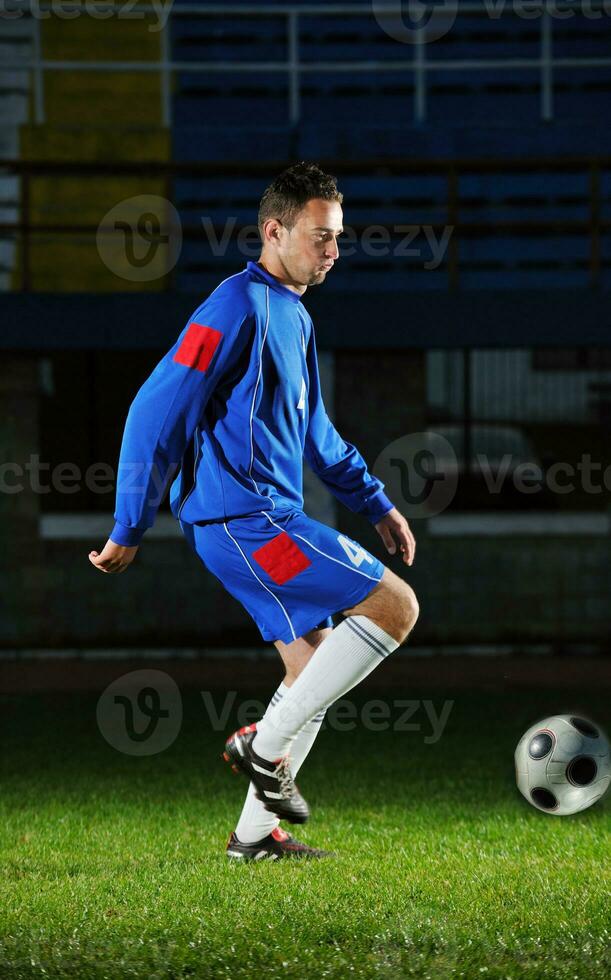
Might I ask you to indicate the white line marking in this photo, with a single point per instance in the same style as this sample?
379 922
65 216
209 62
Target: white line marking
254 396
195 462
262 583
234 276
323 553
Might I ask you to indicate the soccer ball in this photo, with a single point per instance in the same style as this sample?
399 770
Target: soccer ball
563 764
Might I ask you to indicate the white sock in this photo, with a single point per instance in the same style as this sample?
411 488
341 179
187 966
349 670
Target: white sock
255 821
342 661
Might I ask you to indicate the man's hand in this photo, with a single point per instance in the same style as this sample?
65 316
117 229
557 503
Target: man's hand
394 526
114 558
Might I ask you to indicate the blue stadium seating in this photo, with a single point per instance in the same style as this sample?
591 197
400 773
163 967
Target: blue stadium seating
473 36
229 99
198 142
524 197
605 195
254 38
580 36
453 95
350 115
582 92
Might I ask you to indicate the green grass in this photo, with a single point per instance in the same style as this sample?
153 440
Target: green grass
114 866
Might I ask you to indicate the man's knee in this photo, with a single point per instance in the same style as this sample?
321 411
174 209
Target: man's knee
400 611
392 605
409 608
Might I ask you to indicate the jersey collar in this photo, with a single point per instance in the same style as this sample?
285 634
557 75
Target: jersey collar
262 274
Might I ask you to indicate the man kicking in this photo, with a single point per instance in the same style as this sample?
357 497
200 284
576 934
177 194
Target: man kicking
231 412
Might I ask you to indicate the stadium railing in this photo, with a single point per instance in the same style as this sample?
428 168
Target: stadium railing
419 61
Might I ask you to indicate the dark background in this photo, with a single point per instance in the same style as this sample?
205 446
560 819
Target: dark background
503 347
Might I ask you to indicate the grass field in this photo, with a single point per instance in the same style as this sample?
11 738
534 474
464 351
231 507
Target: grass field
114 866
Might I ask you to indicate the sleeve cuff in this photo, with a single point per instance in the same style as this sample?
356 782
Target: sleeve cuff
377 507
128 537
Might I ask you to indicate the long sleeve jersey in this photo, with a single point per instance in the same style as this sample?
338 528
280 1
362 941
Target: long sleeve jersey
231 412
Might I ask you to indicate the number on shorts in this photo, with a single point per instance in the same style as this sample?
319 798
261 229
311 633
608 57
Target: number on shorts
356 554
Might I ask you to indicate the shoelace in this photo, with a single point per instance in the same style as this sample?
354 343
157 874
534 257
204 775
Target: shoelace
282 773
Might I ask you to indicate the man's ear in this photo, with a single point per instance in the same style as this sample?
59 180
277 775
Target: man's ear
271 230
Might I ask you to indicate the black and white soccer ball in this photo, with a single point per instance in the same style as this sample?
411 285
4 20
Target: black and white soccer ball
563 764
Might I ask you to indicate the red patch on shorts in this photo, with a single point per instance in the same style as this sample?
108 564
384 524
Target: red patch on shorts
282 559
198 346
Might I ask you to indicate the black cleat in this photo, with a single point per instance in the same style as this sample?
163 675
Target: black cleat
273 782
274 847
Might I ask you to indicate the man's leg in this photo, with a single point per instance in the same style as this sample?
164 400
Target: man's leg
372 629
255 821
391 605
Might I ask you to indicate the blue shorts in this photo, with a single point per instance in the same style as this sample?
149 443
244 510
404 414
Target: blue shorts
290 572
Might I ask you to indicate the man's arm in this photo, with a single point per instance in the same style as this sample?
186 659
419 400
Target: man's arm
343 470
162 420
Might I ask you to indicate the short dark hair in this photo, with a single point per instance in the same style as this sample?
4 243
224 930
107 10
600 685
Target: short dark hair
291 190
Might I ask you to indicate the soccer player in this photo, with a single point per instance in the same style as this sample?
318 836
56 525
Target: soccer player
231 412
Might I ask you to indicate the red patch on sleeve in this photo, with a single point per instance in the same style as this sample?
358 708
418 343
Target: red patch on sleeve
281 558
198 346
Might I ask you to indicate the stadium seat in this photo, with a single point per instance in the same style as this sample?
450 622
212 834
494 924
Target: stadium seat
199 142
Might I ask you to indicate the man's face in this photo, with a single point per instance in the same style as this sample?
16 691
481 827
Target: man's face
309 250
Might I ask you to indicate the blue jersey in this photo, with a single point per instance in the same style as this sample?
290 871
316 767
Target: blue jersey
231 412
